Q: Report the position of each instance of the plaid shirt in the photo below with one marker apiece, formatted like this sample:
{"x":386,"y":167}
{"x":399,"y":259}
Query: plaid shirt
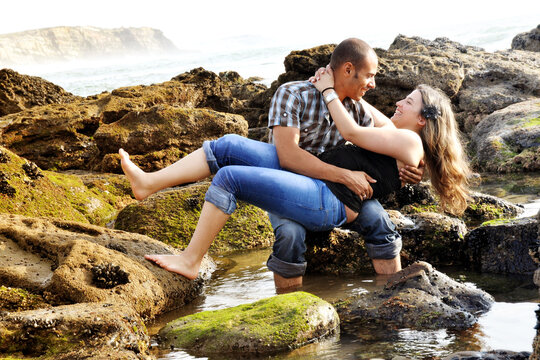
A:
{"x":299,"y":104}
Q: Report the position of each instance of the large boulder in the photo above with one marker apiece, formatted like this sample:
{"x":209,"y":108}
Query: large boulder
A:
{"x":264,"y":327}
{"x":529,"y":41}
{"x":164,"y":127}
{"x":425,"y":236}
{"x":417,"y":297}
{"x":80,"y":331}
{"x":502,"y":246}
{"x":19,"y":92}
{"x":247,"y":228}
{"x":72,"y":262}
{"x":429,"y":238}
{"x":82,"y":134}
{"x":418,"y":198}
{"x":337,"y":252}
{"x":478,"y":82}
{"x":508,"y":140}
{"x":27,"y":190}
{"x":299,"y":65}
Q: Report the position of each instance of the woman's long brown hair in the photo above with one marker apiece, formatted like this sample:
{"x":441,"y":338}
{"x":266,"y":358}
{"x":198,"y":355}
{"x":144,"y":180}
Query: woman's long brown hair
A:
{"x":445,"y":159}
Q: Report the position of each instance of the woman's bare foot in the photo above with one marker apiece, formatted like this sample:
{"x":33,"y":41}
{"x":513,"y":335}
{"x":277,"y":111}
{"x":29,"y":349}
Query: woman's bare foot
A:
{"x":135,"y":176}
{"x":176,"y":264}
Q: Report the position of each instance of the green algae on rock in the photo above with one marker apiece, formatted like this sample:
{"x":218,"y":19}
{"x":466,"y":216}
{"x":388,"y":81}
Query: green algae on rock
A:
{"x":26,"y":190}
{"x":48,"y":194}
{"x":171,"y":216}
{"x":508,"y":140}
{"x":77,"y":331}
{"x":267,"y":326}
{"x":16,"y":299}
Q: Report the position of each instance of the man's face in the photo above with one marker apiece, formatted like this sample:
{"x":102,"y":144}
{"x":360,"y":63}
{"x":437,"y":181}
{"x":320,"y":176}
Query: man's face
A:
{"x":361,"y":80}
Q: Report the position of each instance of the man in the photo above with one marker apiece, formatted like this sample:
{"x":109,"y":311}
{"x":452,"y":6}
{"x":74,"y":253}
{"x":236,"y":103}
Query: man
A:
{"x":301,"y":128}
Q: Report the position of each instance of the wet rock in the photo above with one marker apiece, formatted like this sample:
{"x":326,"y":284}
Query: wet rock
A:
{"x":508,"y":140}
{"x":267,"y":326}
{"x":416,"y":297}
{"x":425,"y":236}
{"x":19,"y":92}
{"x":247,"y":228}
{"x":483,"y":207}
{"x":529,"y":41}
{"x":78,"y":331}
{"x":502,"y":246}
{"x":62,"y":258}
{"x":337,"y":252}
{"x":417,"y":194}
{"x":489,"y":355}
{"x":431,"y":236}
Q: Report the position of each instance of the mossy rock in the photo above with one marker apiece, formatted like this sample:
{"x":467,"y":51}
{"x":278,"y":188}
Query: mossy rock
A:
{"x":171,"y":216}
{"x":267,"y":326}
{"x":26,"y":190}
{"x":79,"y":331}
{"x":15,"y":299}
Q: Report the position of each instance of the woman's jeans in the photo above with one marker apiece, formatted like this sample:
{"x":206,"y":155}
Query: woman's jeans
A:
{"x":249,"y":170}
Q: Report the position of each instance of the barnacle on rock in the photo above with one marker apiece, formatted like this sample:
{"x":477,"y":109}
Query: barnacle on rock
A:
{"x":107,"y":276}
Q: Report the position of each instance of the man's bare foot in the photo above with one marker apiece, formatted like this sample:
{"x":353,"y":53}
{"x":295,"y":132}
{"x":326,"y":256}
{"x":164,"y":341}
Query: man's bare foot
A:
{"x":135,"y":176}
{"x":176,"y":264}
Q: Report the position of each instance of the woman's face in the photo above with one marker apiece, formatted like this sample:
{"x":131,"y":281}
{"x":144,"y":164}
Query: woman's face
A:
{"x":408,"y":110}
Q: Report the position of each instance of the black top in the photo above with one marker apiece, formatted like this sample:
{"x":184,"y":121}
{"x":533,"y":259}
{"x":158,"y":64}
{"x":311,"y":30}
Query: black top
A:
{"x":380,"y":167}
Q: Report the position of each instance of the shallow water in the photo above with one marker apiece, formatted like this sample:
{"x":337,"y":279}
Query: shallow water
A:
{"x":508,"y":325}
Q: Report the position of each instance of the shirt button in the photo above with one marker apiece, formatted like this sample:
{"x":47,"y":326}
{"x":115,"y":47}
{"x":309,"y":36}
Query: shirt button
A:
{"x":305,"y":130}
{"x":284,"y":114}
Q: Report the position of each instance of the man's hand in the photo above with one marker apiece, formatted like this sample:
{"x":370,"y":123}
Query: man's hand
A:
{"x":412,"y":175}
{"x":359,"y":182}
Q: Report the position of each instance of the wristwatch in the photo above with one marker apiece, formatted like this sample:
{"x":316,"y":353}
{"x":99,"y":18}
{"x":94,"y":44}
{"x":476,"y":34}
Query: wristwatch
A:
{"x":330,"y":96}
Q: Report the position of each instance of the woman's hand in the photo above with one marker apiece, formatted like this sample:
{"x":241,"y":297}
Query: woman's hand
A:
{"x":323,"y":78}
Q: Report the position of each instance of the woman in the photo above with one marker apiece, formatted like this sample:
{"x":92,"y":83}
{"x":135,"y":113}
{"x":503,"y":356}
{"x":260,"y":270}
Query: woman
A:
{"x":425,"y":128}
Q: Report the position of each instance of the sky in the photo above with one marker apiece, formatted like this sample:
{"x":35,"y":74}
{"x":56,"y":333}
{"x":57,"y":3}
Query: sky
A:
{"x":196,"y":23}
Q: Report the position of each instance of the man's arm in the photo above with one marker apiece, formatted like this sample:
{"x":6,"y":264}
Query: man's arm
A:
{"x":298,"y":160}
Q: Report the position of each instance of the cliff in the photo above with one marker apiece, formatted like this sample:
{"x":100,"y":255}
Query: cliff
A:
{"x":68,"y":43}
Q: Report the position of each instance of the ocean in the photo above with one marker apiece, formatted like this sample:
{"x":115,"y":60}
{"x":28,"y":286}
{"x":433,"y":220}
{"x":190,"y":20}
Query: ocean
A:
{"x":253,"y":55}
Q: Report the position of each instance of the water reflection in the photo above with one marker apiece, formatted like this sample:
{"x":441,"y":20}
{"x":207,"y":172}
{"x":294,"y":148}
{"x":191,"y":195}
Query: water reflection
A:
{"x":508,"y":325}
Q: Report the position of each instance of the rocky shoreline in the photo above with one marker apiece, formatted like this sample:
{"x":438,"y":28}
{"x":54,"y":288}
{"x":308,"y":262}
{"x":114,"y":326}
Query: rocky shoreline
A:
{"x":74,"y":283}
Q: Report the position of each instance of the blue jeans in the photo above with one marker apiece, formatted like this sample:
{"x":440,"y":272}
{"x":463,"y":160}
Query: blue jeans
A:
{"x":294,"y":202}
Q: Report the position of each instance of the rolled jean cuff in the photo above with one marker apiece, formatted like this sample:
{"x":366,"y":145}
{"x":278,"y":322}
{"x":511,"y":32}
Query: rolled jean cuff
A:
{"x":384,"y":251}
{"x":221,"y":198}
{"x":285,"y":269}
{"x":210,"y":158}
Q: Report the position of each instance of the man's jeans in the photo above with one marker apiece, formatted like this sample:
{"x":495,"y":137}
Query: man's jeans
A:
{"x":291,"y":200}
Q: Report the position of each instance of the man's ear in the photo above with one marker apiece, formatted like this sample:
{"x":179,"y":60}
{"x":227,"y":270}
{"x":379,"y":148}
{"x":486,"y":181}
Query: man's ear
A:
{"x":348,"y":68}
